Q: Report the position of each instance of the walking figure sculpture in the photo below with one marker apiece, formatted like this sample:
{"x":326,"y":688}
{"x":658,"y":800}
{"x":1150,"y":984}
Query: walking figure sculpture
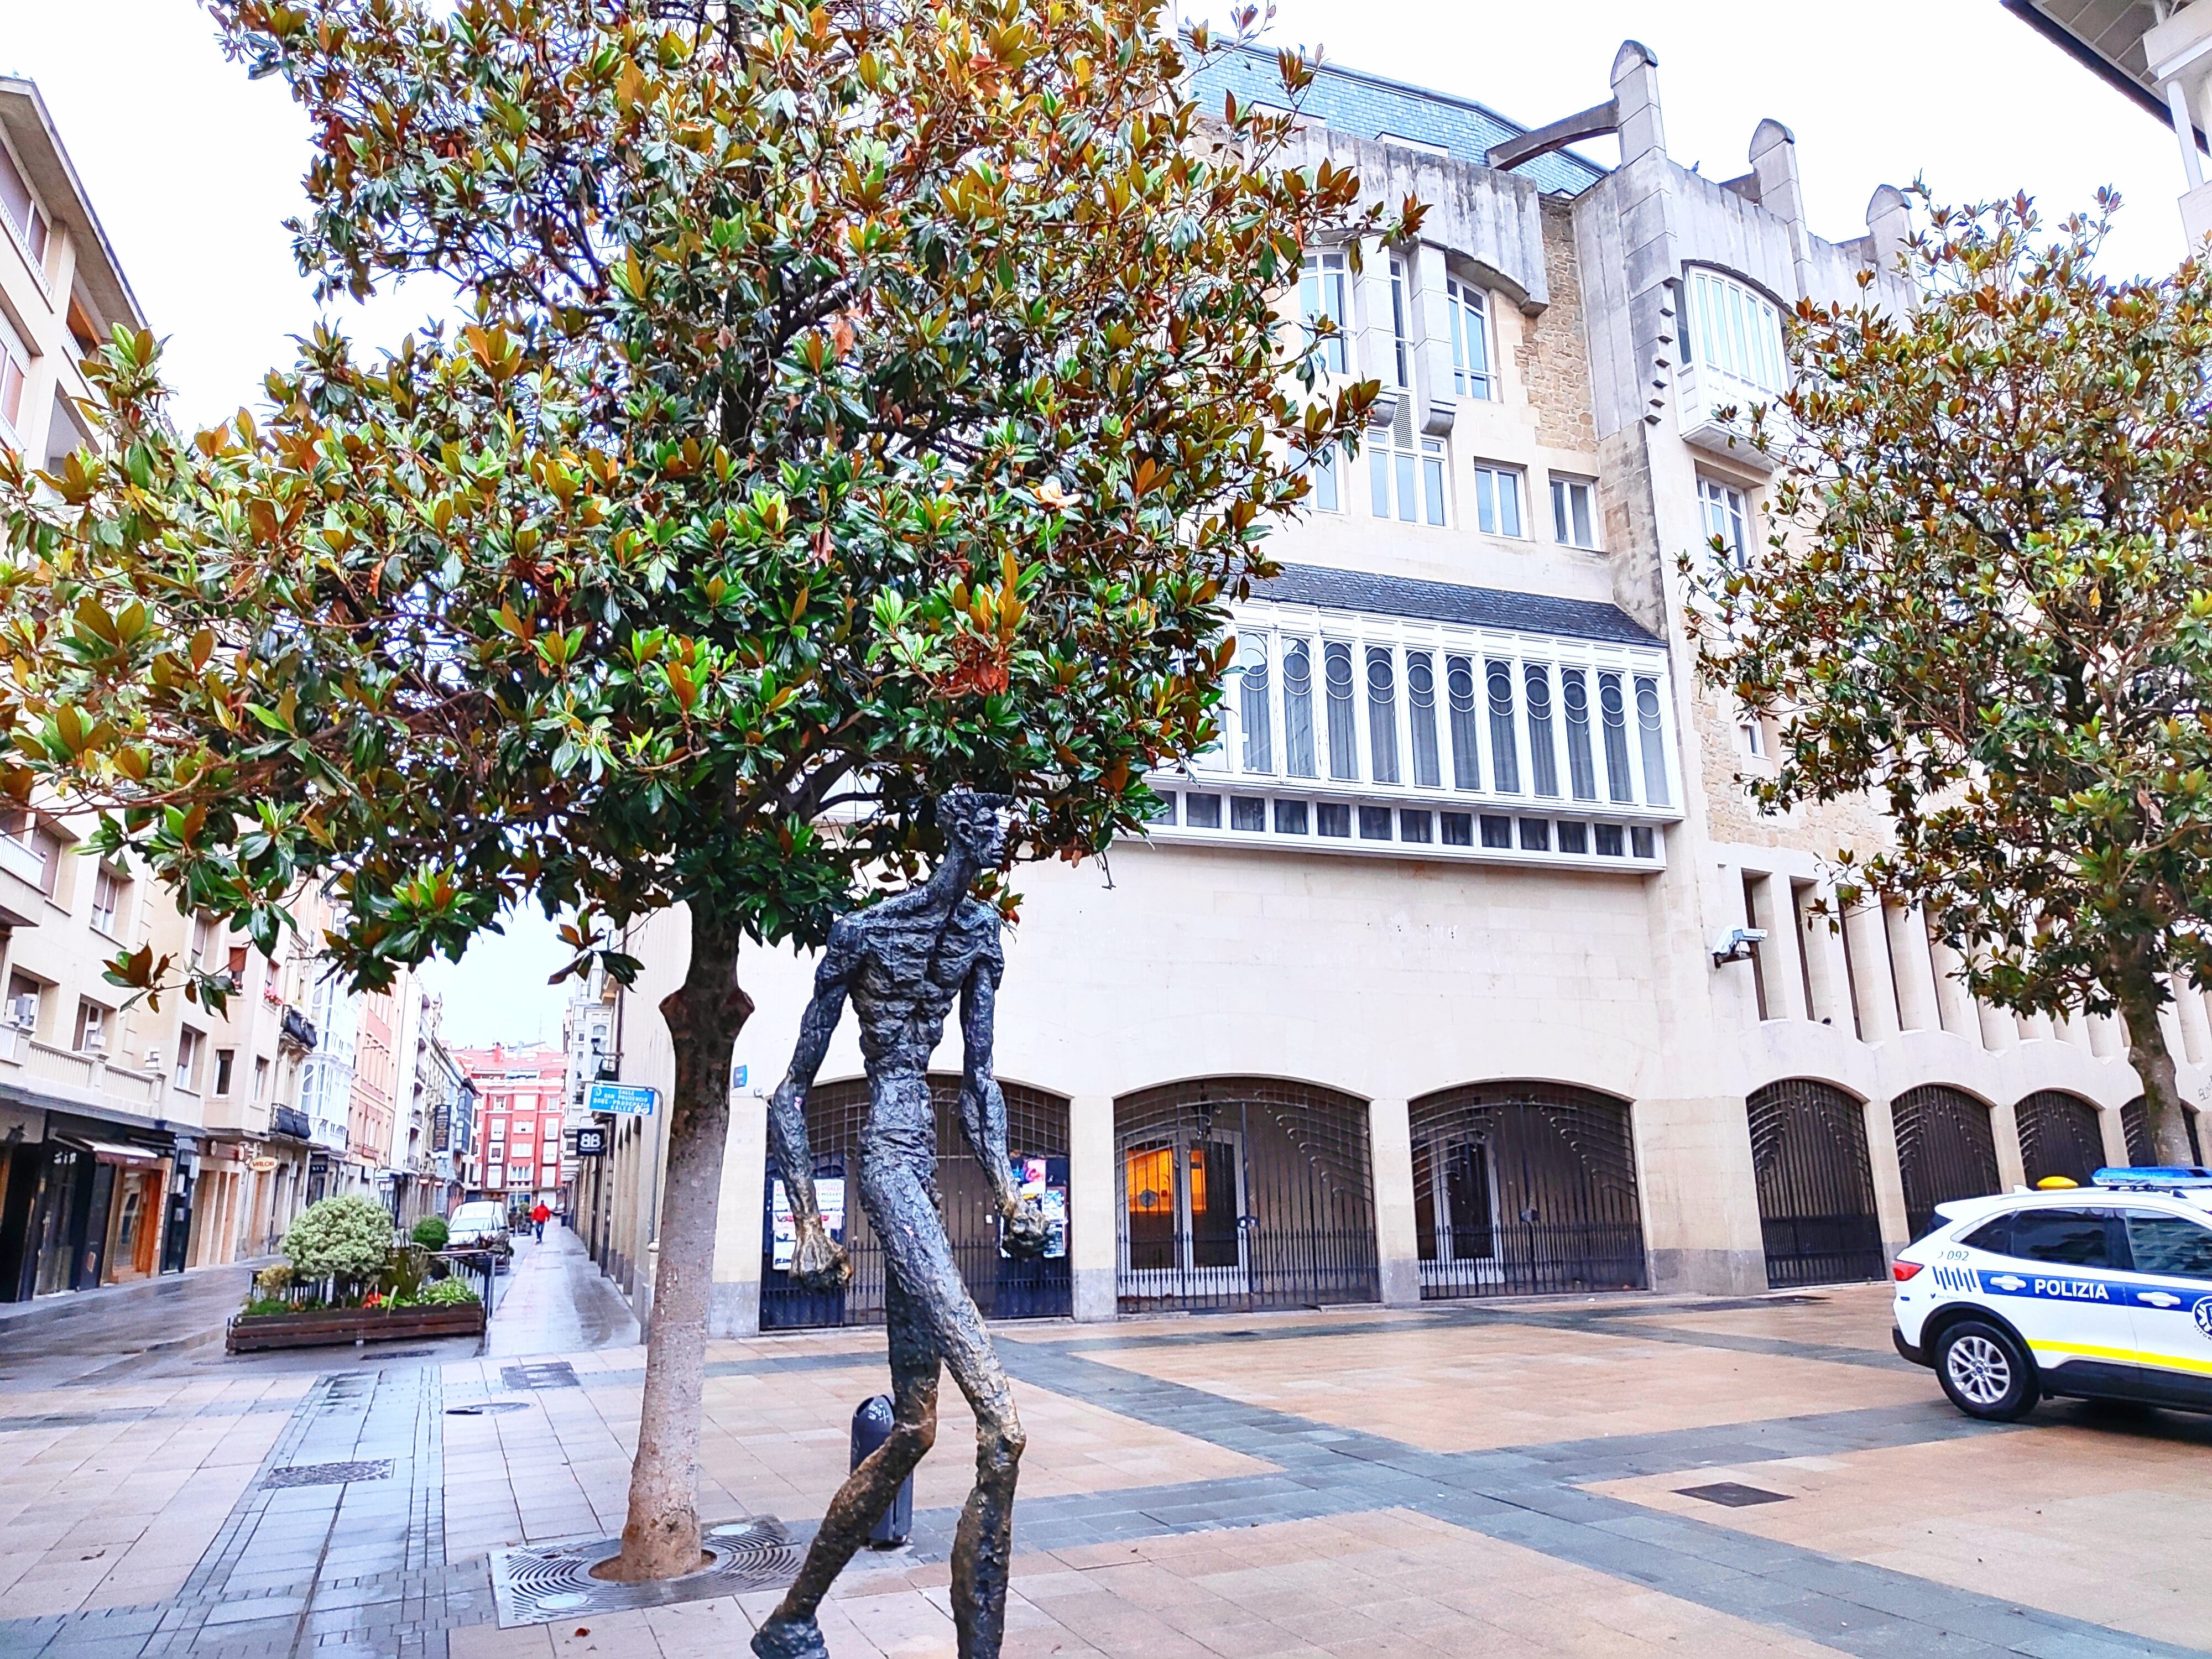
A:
{"x":902,"y":964}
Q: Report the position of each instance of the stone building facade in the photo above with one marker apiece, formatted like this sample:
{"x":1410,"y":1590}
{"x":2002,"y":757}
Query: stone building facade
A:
{"x":1462,"y":967}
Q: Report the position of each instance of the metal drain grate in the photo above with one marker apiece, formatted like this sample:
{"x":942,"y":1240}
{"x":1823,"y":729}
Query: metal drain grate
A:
{"x":554,"y":1581}
{"x":328,"y":1474}
{"x":555,"y":1374}
{"x":488,"y":1407}
{"x":1732,"y":1494}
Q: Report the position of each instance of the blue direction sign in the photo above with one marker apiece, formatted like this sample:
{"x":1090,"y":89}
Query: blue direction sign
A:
{"x":629,"y":1099}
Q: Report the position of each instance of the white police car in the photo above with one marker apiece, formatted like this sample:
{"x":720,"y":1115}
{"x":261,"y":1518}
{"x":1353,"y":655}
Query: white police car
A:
{"x":2102,"y":1291}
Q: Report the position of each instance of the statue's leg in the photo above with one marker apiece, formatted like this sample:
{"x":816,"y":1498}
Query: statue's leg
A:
{"x":790,"y":1632}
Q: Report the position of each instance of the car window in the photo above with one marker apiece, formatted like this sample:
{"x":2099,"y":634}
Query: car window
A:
{"x":2071,"y":1238}
{"x":1995,"y":1237}
{"x":2167,"y":1244}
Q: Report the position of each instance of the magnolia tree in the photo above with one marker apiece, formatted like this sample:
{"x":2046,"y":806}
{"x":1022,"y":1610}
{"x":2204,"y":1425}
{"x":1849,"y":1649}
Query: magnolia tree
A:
{"x":856,"y":398}
{"x":1987,"y":601}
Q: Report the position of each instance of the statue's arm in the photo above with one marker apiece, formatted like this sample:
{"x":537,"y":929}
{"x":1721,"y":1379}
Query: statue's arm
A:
{"x":817,"y":1256}
{"x":983,"y":1106}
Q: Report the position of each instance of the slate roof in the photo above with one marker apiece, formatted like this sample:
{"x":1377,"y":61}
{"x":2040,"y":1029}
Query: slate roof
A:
{"x":1475,"y":607}
{"x":1368,"y":105}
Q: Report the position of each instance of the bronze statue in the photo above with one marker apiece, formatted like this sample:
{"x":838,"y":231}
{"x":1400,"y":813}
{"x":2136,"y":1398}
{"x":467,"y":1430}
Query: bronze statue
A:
{"x":901,"y":963}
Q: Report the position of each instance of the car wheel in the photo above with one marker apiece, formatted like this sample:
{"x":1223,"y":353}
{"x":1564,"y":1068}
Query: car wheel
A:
{"x":1986,"y":1372}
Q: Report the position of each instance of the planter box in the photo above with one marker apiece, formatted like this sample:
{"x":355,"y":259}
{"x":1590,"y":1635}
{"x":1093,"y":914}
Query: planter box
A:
{"x":250,"y":1333}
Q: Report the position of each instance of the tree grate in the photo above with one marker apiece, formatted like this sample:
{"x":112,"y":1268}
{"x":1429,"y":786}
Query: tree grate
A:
{"x":536,"y":1585}
{"x":328,"y":1474}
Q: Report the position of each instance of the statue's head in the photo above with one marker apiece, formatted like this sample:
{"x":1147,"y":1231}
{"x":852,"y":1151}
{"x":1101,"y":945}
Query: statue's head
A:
{"x":971,"y":826}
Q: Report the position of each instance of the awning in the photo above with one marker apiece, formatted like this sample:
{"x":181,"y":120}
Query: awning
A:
{"x":121,"y":1154}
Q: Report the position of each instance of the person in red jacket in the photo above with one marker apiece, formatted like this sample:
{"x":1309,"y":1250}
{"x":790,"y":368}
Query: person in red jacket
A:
{"x":539,"y":1216}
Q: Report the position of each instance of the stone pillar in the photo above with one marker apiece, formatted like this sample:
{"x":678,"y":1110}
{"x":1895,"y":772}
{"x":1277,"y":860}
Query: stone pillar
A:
{"x":2189,"y":1011}
{"x":1868,"y":941}
{"x":1906,"y":934}
{"x":1824,"y":959}
{"x":1956,"y":1008}
{"x":1779,"y":958}
{"x":1092,"y":1240}
{"x":2108,"y":1040}
{"x":1774,"y":164}
{"x":735,"y":1310}
{"x":1397,"y":1247}
{"x":2116,"y":1139}
{"x":1636,"y":98}
{"x":2004,"y":1128}
{"x":1889,"y":225}
{"x":1889,"y":1179}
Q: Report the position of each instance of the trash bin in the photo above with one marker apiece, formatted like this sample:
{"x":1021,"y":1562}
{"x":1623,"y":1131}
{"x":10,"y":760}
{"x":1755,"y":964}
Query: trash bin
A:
{"x":872,"y":1426}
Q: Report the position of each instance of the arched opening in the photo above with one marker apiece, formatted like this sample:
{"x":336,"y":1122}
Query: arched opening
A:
{"x":1815,"y":1178}
{"x":2059,"y":1135}
{"x":1003,"y":1288}
{"x":1945,"y":1150}
{"x":1241,"y":1193}
{"x":2142,"y":1151}
{"x":1522,"y":1188}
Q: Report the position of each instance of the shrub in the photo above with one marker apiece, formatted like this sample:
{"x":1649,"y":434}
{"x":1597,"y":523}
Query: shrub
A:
{"x":431,"y":1232}
{"x":446,"y":1293}
{"x":339,"y":1238}
{"x":276,"y":1277}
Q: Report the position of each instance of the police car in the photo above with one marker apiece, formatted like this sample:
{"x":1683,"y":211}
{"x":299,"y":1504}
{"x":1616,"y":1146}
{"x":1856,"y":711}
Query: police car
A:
{"x":2102,"y":1291}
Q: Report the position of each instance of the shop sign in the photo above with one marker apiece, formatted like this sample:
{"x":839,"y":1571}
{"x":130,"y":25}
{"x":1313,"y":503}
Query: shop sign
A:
{"x":590,"y":1143}
{"x":623,"y":1099}
{"x":261,"y":1165}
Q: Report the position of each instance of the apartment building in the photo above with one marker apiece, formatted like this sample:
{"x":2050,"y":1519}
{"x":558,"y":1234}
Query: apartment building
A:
{"x":1462,"y":967}
{"x":519,"y":1089}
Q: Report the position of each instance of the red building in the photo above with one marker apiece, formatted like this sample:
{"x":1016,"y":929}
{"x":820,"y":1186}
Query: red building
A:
{"x":516,"y":1155}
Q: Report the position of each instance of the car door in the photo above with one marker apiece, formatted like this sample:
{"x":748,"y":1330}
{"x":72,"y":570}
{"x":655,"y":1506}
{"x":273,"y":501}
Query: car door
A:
{"x":2170,"y":1289}
{"x":2057,"y":1287}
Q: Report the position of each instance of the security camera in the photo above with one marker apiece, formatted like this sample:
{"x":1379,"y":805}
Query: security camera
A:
{"x":1736,"y":945}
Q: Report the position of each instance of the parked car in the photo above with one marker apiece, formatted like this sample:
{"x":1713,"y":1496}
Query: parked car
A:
{"x":2097,"y":1292}
{"x":479,"y":1224}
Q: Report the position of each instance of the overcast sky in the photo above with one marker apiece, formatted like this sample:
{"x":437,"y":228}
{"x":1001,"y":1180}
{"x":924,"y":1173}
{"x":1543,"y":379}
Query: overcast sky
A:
{"x":192,"y":169}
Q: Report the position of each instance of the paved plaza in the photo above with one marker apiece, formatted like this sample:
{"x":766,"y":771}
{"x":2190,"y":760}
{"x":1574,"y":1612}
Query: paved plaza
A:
{"x":1627,"y":1475}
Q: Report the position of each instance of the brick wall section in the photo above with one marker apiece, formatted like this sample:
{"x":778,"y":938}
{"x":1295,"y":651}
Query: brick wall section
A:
{"x":1553,"y":355}
{"x":1821,"y":828}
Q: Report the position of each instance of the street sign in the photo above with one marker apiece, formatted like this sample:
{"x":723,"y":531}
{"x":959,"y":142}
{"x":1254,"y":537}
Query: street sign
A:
{"x":625,"y":1099}
{"x":738,"y":1077}
{"x":591,"y":1142}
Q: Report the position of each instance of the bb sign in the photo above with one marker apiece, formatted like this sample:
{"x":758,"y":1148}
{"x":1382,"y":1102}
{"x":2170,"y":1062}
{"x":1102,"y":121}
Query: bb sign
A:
{"x":591,"y":1142}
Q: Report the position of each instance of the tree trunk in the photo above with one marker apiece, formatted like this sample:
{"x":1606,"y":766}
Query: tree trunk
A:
{"x":660,"y":1539}
{"x":2136,"y":984}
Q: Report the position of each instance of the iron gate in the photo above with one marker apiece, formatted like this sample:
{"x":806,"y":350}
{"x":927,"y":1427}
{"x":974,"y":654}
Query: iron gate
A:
{"x":1816,"y":1210}
{"x":1523,"y":1188}
{"x":2059,"y":1135}
{"x":1003,"y":1288}
{"x":1243,"y":1192}
{"x":1945,"y":1150}
{"x":2135,"y":1124}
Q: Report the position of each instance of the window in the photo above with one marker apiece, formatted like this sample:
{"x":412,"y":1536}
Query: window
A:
{"x":1582,"y":765}
{"x":1497,"y":500}
{"x":1406,"y":480}
{"x":1505,"y":744}
{"x":1382,"y":715}
{"x":1252,"y":696}
{"x":1753,"y":731}
{"x":188,"y":1058}
{"x":1727,"y":518}
{"x":260,"y":1080}
{"x":2169,"y":1245}
{"x":2069,"y":1238}
{"x":1459,"y":695}
{"x":1343,"y":738}
{"x":1543,"y":763}
{"x":1470,"y":340}
{"x":108,"y":892}
{"x":91,"y":1028}
{"x":1736,"y":330}
{"x":1325,"y":472}
{"x":25,"y":217}
{"x":1321,"y":288}
{"x":1401,"y":348}
{"x":1614,"y":712}
{"x":1574,"y":516}
{"x":14,"y":375}
{"x":1651,"y":729}
{"x":1421,"y":719}
{"x":202,"y":939}
{"x":499,"y":1129}
{"x":1297,"y":709}
{"x":235,"y":971}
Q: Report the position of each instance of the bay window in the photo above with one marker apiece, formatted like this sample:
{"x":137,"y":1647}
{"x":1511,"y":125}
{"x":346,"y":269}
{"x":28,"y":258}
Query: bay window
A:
{"x":1737,"y":331}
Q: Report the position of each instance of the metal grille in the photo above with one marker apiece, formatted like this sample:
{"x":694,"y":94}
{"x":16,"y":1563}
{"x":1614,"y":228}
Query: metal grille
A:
{"x":1243,"y":1192}
{"x":1945,"y":1150}
{"x":328,"y":1474}
{"x":2059,"y":1135}
{"x":1524,"y":1188}
{"x":2135,"y":1124}
{"x":1816,"y":1210}
{"x":1036,"y":1128}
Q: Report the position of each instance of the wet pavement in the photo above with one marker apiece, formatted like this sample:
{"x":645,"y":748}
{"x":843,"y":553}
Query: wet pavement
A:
{"x":556,"y":1301}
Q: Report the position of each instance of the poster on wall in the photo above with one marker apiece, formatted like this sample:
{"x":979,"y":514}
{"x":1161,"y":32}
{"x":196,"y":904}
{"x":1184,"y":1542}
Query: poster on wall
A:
{"x":829,"y":1194}
{"x":1033,"y":1176}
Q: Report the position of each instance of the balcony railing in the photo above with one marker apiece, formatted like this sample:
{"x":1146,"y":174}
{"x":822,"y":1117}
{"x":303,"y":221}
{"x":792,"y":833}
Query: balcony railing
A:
{"x":298,"y":1029}
{"x":290,"y":1120}
{"x":18,"y":860}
